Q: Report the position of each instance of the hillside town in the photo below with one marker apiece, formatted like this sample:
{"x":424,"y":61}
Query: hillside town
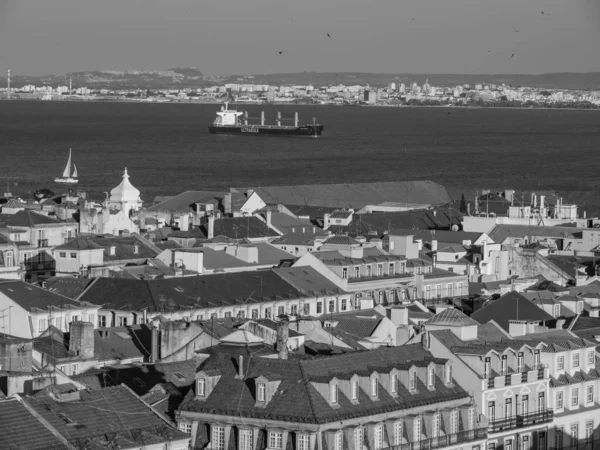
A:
{"x":367,"y":316}
{"x":394,"y":94}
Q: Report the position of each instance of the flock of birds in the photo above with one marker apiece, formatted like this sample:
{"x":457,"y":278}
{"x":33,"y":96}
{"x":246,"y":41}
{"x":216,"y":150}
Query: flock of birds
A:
{"x":489,"y":51}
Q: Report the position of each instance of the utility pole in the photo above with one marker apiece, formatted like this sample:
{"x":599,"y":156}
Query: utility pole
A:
{"x":8,"y":85}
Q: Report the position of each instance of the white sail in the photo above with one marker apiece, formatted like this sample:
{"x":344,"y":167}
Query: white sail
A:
{"x":74,"y":171}
{"x":67,"y":171}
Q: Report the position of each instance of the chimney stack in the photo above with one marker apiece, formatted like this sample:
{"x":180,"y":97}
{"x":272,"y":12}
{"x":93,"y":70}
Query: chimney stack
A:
{"x":211,"y":227}
{"x":240,"y":374}
{"x":81,"y":339}
{"x":269,"y":218}
{"x":283,"y":332}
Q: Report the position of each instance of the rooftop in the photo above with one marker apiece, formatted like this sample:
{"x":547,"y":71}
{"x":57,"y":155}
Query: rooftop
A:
{"x":451,"y":317}
{"x":30,"y":296}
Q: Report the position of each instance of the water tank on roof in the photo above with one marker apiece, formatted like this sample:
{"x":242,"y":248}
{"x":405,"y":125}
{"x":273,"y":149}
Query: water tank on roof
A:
{"x":361,"y":239}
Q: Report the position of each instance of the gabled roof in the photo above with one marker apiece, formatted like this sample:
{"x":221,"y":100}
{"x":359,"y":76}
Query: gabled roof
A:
{"x":67,"y":286}
{"x":451,"y":317}
{"x":30,"y":296}
{"x":125,"y":247}
{"x":500,"y":232}
{"x":511,"y":306}
{"x":356,"y":195}
{"x":185,"y":201}
{"x":30,"y":219}
{"x":13,"y":204}
{"x":296,"y":398}
{"x":116,"y":410}
{"x":341,"y":240}
{"x":442,"y":236}
{"x":241,"y":228}
{"x":21,"y":430}
{"x":78,"y":244}
{"x":175,"y":294}
{"x":308,"y":281}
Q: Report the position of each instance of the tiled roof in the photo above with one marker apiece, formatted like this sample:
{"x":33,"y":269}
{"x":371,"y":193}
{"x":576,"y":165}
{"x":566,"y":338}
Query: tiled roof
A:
{"x":110,"y":344}
{"x":308,"y":281}
{"x":67,"y":287}
{"x":340,"y":214}
{"x":442,"y":236}
{"x":124,"y":247}
{"x":313,"y":212}
{"x":451,"y":317}
{"x":21,"y":430}
{"x":29,"y":219}
{"x":185,"y":201}
{"x":297,"y":400}
{"x":356,"y":195}
{"x":241,"y":228}
{"x":299,"y":238}
{"x":79,"y":243}
{"x":13,"y":204}
{"x":341,"y":240}
{"x":452,"y":248}
{"x":174,"y":294}
{"x":116,"y":410}
{"x":30,"y":296}
{"x":511,"y":306}
{"x":500,"y":232}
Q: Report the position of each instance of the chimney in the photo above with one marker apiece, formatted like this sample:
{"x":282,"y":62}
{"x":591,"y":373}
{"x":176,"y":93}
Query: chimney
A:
{"x":81,"y":339}
{"x":283,"y":331}
{"x":240,"y":374}
{"x":269,"y":218}
{"x":434,"y":245}
{"x":211,"y":227}
{"x":155,"y":348}
{"x":468,"y":209}
{"x":227,"y":204}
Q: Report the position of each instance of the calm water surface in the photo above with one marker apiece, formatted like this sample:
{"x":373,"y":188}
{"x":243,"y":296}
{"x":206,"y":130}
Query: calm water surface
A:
{"x":167,"y":148}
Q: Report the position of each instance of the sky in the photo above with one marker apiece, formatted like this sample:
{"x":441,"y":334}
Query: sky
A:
{"x":39,"y":37}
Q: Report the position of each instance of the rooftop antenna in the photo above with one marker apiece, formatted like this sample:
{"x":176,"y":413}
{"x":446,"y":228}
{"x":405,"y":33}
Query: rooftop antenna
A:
{"x":8,"y":84}
{"x":70,"y":85}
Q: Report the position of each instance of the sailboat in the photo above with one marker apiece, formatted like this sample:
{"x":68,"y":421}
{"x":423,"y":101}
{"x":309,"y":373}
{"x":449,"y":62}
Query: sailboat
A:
{"x":68,"y":176}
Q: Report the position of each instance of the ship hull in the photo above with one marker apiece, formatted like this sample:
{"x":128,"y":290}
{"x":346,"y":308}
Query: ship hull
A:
{"x":66,"y":180}
{"x":266,"y":130}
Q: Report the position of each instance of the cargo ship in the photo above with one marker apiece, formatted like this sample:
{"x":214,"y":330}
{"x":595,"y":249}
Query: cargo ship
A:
{"x":231,"y":121}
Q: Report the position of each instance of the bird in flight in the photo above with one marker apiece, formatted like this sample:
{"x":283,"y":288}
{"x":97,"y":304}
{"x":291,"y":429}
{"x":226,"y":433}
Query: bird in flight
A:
{"x":516,"y":31}
{"x":328,"y":35}
{"x":512,"y":55}
{"x":281,"y":53}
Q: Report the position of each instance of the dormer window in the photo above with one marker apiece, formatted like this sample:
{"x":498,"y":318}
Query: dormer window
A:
{"x":113,"y":250}
{"x":355,"y":390}
{"x":430,"y":377}
{"x":560,"y":364}
{"x":520,"y":362}
{"x":448,"y":373}
{"x":136,"y":249}
{"x":486,"y":367}
{"x":556,"y":310}
{"x":536,"y":358}
{"x":504,"y":366}
{"x":590,"y":357}
{"x":393,"y":383}
{"x":575,"y":360}
{"x":374,"y":387}
{"x":261,"y":392}
{"x":412,"y":381}
{"x":333,"y":394}
{"x":201,"y":387}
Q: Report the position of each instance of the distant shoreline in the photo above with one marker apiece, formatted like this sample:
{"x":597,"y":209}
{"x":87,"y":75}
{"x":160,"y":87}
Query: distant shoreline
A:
{"x":188,"y":102}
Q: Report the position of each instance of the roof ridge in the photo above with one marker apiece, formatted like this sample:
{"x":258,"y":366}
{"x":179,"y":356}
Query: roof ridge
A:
{"x":307,"y":387}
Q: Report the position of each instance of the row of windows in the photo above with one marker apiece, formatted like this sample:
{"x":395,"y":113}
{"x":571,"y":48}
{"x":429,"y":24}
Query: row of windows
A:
{"x":72,"y":255}
{"x":412,"y":384}
{"x":275,"y":438}
{"x":574,"y":434}
{"x":560,"y":362}
{"x":379,"y":270}
{"x":487,"y":365}
{"x":57,"y":322}
{"x":589,"y":397}
{"x":522,"y":406}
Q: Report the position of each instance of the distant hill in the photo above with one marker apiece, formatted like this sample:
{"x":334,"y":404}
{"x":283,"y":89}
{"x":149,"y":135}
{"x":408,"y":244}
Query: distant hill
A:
{"x":185,"y":77}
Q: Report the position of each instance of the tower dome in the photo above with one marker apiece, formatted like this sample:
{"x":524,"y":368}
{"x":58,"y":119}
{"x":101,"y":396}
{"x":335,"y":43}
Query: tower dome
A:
{"x":125,"y":192}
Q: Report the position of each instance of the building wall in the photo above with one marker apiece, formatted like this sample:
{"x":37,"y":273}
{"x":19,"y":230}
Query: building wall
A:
{"x":71,"y":261}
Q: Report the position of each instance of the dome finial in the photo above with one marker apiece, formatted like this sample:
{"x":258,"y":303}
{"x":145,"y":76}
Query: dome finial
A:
{"x":125,"y":174}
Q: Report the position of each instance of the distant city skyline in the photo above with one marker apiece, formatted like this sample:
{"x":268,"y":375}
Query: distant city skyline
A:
{"x":38,"y":37}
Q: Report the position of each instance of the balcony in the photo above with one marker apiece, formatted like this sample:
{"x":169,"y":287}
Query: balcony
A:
{"x":521,"y":421}
{"x":444,"y":441}
{"x":583,"y":444}
{"x":42,"y":243}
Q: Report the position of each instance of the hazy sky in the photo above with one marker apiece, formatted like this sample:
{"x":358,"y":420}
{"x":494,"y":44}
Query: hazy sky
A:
{"x":244,"y":36}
